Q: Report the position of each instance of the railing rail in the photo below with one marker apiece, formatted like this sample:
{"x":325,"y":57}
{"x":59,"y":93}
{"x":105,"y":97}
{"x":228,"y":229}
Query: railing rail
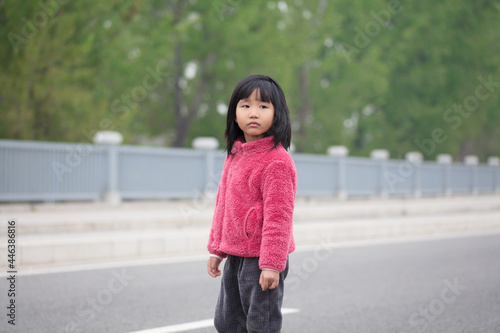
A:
{"x":42,"y":171}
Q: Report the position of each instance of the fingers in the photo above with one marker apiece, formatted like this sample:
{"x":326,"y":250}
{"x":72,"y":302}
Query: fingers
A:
{"x":210,"y":270}
{"x":214,"y":272}
{"x":213,"y":267}
{"x":274,"y":284}
{"x":269,"y":280}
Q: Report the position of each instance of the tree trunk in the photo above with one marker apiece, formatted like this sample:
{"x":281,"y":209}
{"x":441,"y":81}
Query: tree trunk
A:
{"x":183,"y":121}
{"x":304,"y":111}
{"x":466,"y":148}
{"x":180,"y":126}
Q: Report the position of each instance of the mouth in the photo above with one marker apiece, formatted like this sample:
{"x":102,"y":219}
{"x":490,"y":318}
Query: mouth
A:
{"x":253,"y":124}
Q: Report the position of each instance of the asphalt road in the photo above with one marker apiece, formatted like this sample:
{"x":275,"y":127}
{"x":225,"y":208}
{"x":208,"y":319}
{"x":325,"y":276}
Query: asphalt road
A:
{"x":443,"y":285}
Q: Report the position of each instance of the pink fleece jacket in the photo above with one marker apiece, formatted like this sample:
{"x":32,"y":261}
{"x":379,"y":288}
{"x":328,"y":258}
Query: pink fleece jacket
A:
{"x":254,"y":208}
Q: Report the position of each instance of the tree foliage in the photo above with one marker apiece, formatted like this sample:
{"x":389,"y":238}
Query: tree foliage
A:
{"x":400,"y":75}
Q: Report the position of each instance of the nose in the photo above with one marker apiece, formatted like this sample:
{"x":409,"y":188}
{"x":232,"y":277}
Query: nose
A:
{"x":254,"y":113}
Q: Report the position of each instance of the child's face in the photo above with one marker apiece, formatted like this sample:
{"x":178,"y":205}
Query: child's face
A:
{"x":254,"y":116}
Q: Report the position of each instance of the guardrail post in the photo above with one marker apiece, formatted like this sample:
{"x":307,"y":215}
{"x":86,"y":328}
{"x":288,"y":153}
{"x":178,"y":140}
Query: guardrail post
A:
{"x":472,"y":161}
{"x":209,"y":145}
{"x":445,"y":160}
{"x":111,"y":140}
{"x":381,"y":155}
{"x":415,"y":159}
{"x":494,"y":162}
{"x":340,"y":153}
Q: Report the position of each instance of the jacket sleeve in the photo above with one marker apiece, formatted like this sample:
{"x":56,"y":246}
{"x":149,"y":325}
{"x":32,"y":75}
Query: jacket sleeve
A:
{"x":212,"y":241}
{"x":214,"y":237}
{"x":279,"y":186}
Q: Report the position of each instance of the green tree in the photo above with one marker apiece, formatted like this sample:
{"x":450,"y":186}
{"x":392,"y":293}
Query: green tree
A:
{"x":50,"y":56}
{"x":365,"y":74}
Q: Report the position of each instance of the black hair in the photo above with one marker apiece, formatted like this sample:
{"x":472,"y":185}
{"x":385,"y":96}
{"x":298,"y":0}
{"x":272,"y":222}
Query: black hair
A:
{"x":270,"y":92}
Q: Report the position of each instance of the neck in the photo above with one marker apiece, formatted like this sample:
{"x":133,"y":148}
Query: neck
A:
{"x":250,"y":138}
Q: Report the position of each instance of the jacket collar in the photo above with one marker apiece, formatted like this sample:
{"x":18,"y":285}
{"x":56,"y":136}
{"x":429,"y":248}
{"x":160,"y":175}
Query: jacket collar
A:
{"x":252,"y":147}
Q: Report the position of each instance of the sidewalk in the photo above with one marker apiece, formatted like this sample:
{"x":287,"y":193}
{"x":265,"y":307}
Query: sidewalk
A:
{"x":80,"y":233}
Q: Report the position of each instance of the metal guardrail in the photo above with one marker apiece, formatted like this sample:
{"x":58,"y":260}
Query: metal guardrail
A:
{"x":42,"y":171}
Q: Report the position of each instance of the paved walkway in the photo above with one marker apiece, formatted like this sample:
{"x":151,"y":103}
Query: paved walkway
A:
{"x":79,"y":233}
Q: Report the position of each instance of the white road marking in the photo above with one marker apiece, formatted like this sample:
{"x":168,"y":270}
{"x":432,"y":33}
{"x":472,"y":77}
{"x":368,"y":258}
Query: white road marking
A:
{"x":180,"y":327}
{"x":195,"y":325}
{"x":289,"y":310}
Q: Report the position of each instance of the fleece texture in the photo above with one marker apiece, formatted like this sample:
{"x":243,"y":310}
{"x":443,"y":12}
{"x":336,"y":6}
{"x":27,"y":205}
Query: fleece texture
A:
{"x":255,"y":201}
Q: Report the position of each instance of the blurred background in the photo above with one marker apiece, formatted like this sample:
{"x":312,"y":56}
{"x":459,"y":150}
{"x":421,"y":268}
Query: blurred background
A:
{"x":399,"y":75}
{"x":365,"y":80}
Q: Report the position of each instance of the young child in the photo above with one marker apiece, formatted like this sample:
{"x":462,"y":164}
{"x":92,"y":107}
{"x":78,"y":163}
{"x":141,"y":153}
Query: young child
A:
{"x":252,"y":224}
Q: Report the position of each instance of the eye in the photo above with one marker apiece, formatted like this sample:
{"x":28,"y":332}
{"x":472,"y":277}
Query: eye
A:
{"x":263,"y":106}
{"x":245,"y":106}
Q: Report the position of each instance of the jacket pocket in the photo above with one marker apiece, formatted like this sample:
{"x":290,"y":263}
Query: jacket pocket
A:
{"x":248,"y":223}
{"x":253,"y":222}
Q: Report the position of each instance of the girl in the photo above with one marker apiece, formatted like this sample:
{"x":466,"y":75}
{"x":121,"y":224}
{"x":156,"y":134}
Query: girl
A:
{"x":252,"y":224}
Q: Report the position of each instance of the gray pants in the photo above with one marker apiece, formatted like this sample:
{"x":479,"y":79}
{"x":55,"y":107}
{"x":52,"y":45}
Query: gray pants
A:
{"x":242,"y":305}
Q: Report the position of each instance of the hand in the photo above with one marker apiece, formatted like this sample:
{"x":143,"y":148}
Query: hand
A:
{"x":213,"y":266}
{"x":269,"y":279}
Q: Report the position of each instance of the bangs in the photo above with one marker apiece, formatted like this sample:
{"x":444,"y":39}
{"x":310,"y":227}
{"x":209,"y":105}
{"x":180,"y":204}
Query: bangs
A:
{"x":265,"y":90}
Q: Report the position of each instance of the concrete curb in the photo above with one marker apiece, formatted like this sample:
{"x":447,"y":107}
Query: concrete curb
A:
{"x":71,"y":249}
{"x":73,"y":218}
